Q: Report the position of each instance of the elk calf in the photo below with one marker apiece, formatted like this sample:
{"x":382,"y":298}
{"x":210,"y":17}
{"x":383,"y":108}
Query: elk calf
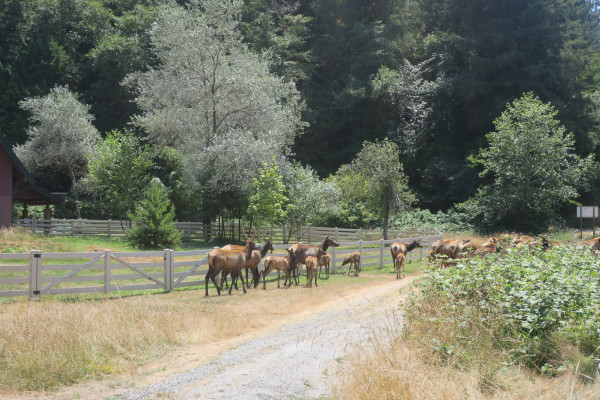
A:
{"x":324,"y":261}
{"x":279,"y":263}
{"x":312,"y":269}
{"x":353,"y":259}
{"x":399,"y":261}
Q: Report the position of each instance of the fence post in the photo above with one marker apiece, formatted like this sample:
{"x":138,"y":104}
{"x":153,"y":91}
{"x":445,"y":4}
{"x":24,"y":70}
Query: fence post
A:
{"x":34,"y":225}
{"x":333,"y":255}
{"x":381,"y":247}
{"x":107,"y":271}
{"x":168,"y":269}
{"x":108,"y":228}
{"x":360,"y":248}
{"x":310,"y":234}
{"x":35,"y":273}
{"x":336,"y":233}
{"x":421,"y":249}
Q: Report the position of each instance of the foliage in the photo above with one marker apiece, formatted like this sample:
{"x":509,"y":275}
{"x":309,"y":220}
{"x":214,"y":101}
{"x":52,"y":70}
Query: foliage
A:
{"x":309,"y":198}
{"x":526,"y":304}
{"x":533,"y":167}
{"x":425,"y":220}
{"x":376,"y":177}
{"x":214,"y":100}
{"x":118,"y":172}
{"x":267,"y":203}
{"x":406,"y":96}
{"x":61,"y":134}
{"x":154,"y":219}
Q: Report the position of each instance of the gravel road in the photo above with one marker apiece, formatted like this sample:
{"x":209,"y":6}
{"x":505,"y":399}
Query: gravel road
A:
{"x":298,"y":361}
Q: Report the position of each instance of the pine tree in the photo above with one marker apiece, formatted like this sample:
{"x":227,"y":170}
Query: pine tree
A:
{"x":154,"y":219}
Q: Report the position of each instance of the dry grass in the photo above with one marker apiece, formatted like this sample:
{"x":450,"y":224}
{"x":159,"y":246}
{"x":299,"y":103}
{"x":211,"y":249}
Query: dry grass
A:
{"x":50,"y":343}
{"x":398,"y":370}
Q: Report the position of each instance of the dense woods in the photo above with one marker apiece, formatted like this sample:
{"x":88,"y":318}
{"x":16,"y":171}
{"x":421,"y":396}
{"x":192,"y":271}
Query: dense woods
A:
{"x":215,"y":89}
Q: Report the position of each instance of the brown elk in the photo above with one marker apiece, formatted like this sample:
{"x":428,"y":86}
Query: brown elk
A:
{"x":312,"y":268}
{"x":301,"y":251}
{"x":279,"y":263}
{"x":399,"y":261}
{"x":354,"y":260}
{"x":231,"y":261}
{"x":449,"y":249}
{"x":324,"y":261}
{"x":522,"y":239}
{"x":399,"y":247}
{"x":252,"y":263}
{"x":593,"y":244}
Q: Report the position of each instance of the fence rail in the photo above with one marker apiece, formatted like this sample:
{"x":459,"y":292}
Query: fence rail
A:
{"x":198,"y":230}
{"x":37,"y":273}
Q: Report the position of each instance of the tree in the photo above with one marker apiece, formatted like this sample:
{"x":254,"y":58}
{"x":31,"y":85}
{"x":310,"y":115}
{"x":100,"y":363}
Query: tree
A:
{"x":61,"y":135}
{"x":310,"y":198}
{"x":214,"y":100}
{"x":405,"y":95}
{"x":269,"y":199}
{"x":118,"y":173}
{"x":154,"y":218}
{"x":532,"y":166}
{"x":376,"y":178}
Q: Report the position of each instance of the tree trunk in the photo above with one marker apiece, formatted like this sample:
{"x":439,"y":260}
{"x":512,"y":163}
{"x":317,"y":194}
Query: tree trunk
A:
{"x":386,"y":222}
{"x":75,"y":192}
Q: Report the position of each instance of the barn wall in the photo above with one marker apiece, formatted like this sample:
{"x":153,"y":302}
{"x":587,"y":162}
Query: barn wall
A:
{"x":5,"y":189}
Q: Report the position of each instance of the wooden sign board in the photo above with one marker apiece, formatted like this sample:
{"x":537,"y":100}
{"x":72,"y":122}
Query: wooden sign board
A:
{"x":587,"y":212}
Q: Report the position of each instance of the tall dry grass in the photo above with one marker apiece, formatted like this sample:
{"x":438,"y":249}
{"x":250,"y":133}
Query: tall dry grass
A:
{"x":398,"y":370}
{"x":50,"y":343}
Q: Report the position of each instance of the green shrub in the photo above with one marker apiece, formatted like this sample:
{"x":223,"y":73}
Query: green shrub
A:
{"x":450,"y":221}
{"x":154,"y":219}
{"x":539,"y":309}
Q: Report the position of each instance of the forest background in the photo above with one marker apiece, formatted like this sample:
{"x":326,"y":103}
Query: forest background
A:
{"x":313,"y":79}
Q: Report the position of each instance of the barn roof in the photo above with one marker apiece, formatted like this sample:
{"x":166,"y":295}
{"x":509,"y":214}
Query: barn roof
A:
{"x":25,"y":189}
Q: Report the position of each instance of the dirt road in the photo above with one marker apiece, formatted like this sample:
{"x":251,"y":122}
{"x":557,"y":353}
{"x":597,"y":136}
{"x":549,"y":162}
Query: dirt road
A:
{"x":296,"y":361}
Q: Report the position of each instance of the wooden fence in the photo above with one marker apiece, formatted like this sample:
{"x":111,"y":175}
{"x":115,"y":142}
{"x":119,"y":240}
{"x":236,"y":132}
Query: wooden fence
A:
{"x":37,"y":273}
{"x":198,"y":230}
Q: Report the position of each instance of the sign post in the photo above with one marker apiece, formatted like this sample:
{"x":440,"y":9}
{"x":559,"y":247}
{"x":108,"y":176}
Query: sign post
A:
{"x":587,"y":212}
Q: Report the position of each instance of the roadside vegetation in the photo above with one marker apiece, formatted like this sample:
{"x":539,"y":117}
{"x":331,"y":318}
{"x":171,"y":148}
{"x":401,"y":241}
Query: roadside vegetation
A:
{"x":524,"y":324}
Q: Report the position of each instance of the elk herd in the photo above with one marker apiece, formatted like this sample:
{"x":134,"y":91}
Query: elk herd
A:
{"x":232,"y":260}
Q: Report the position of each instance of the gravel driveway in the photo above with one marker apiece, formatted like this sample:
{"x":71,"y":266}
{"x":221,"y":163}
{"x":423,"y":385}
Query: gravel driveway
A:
{"x":299,"y":361}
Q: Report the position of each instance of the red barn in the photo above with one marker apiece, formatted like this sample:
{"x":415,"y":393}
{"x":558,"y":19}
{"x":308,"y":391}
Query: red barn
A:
{"x":16,"y":184}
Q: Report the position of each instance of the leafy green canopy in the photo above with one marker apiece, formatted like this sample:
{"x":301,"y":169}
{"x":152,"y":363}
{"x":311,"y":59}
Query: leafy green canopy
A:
{"x":118,"y":171}
{"x":268,"y":201}
{"x":532,"y":166}
{"x":60,"y":135}
{"x":376,"y":178}
{"x":154,"y":219}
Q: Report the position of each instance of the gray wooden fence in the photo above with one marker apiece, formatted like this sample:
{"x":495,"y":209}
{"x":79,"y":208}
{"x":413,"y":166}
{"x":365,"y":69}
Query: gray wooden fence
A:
{"x":198,"y":230}
{"x":38,"y":273}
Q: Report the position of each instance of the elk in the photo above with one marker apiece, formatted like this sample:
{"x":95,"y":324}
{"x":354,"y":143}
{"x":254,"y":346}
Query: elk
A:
{"x":399,"y":247}
{"x":594,"y":244}
{"x":522,"y":239}
{"x":252,"y":263}
{"x":280,"y":263}
{"x":353,"y":259}
{"x":324,"y":261}
{"x":301,"y":251}
{"x":312,"y":267}
{"x":448,"y":248}
{"x":399,"y":262}
{"x":230,"y":261}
